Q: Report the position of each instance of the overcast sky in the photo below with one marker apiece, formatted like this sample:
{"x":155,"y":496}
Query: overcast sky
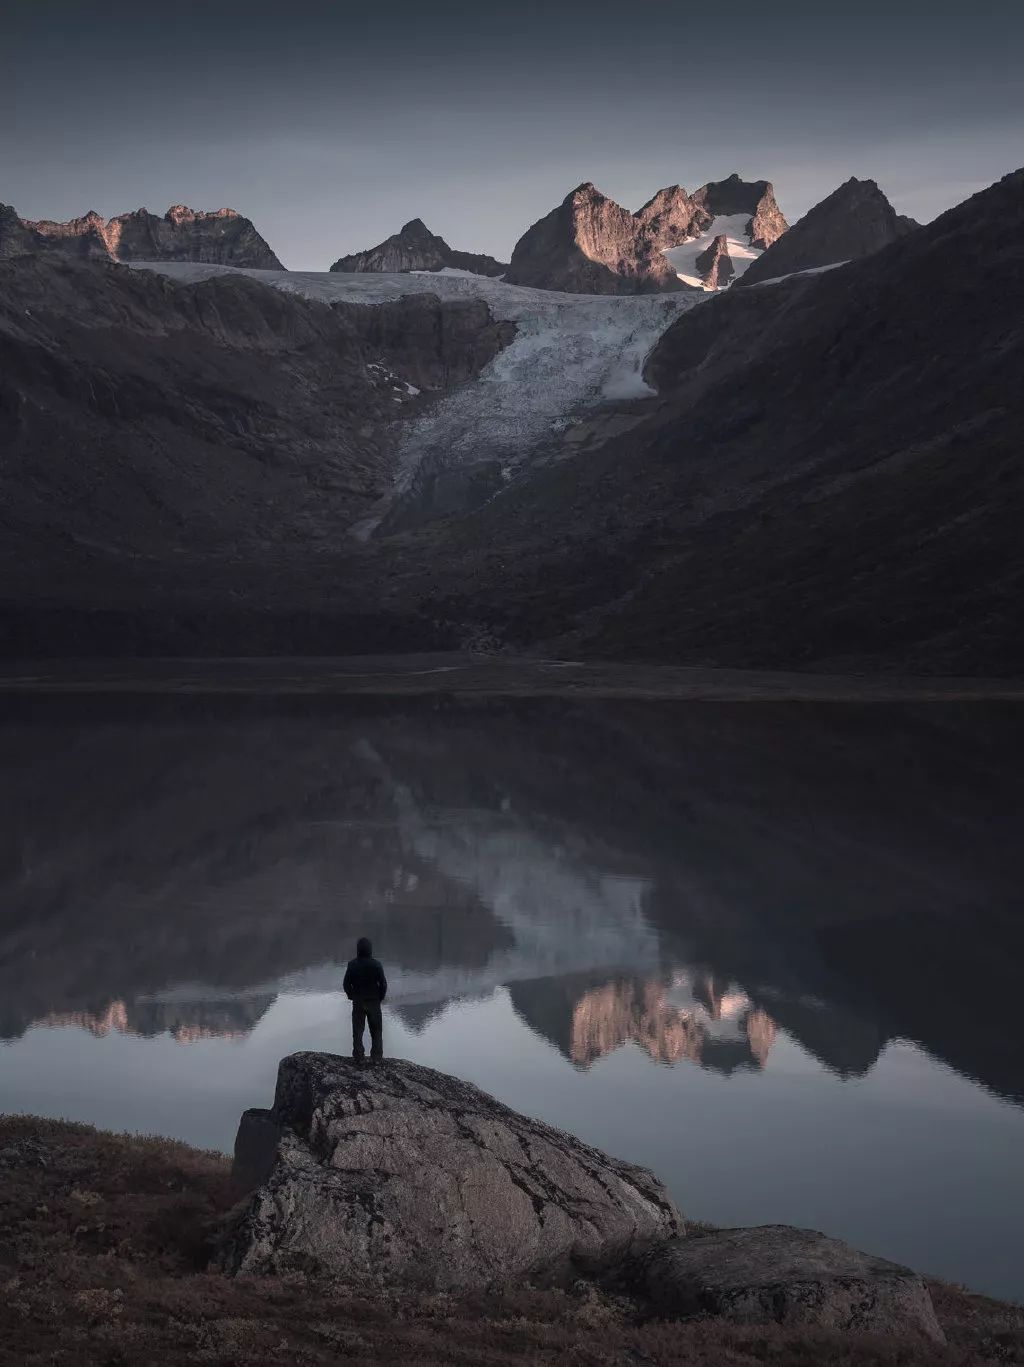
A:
{"x":331,"y":124}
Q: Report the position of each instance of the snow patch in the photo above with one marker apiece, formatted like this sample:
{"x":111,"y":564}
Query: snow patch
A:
{"x":794,"y":275}
{"x":683,"y":259}
{"x":458,"y":274}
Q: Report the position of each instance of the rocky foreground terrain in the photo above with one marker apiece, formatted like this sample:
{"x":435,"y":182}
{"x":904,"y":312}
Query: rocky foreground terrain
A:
{"x":818,"y":474}
{"x":115,"y":1253}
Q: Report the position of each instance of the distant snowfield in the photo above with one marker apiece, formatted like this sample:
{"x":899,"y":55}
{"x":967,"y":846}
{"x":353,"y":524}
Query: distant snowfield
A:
{"x":683,"y":259}
{"x":797,"y":275}
{"x":572,"y":352}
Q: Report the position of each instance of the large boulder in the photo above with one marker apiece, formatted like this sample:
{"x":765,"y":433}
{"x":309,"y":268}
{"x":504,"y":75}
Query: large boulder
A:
{"x":400,"y":1174}
{"x":775,"y":1273}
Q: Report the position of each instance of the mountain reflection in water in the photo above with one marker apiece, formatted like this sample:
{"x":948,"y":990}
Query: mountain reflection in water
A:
{"x":693,"y":884}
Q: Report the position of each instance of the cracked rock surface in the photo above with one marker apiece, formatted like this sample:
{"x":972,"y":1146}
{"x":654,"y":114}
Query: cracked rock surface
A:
{"x":789,"y":1276}
{"x":401,"y":1174}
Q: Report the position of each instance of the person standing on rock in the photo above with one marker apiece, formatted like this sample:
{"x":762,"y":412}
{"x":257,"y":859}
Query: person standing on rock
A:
{"x":366,"y":987}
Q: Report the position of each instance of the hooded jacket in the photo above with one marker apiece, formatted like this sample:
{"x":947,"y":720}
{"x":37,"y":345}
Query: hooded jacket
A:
{"x":364,"y":978}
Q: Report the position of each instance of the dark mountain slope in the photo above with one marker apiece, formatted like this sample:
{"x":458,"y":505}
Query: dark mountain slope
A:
{"x":171,"y":448}
{"x":853,"y":221}
{"x":833,"y":476}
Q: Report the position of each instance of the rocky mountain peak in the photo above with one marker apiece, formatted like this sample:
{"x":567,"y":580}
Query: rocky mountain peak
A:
{"x":667,"y":216}
{"x":733,"y":196}
{"x":416,"y":248}
{"x":855,"y":220}
{"x":181,"y":213}
{"x":592,"y":245}
{"x":715,"y":264}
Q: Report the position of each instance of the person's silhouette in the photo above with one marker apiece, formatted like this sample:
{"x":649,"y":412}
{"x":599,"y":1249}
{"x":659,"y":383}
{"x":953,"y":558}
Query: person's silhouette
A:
{"x":366,"y":987}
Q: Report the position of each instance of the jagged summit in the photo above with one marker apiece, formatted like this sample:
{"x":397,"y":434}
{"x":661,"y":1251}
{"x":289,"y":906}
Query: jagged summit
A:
{"x":590,"y":244}
{"x":715,"y":264}
{"x":854,"y":220}
{"x":416,"y":248}
{"x":218,"y":236}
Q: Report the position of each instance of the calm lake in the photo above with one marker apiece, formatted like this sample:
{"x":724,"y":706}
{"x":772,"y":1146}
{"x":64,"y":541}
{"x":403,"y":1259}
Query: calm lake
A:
{"x":773,"y":951}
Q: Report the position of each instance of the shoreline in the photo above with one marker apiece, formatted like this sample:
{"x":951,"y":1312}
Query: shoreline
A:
{"x":468,"y":676}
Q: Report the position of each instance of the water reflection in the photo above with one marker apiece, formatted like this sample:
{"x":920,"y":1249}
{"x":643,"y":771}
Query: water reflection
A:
{"x":690,"y":879}
{"x":685,"y":1018}
{"x":706,"y":887}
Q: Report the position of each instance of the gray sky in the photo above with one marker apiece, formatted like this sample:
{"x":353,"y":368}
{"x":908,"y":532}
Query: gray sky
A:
{"x":331,"y":124}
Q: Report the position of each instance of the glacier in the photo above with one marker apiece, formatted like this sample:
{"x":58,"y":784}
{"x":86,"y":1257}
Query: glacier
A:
{"x":571,"y":353}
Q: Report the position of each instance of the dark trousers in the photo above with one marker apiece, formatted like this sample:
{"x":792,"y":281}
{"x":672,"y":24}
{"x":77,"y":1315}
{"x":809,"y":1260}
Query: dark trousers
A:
{"x":367,"y":1013}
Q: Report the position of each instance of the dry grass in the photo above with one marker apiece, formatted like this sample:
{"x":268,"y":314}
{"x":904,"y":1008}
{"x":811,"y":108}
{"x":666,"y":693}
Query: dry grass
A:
{"x":104,"y":1248}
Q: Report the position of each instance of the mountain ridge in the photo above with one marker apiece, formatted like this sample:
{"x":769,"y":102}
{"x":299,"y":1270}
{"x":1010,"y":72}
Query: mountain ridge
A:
{"x":416,"y":248}
{"x":855,"y":220}
{"x":589,"y":244}
{"x":826,"y":479}
{"x":218,"y":236}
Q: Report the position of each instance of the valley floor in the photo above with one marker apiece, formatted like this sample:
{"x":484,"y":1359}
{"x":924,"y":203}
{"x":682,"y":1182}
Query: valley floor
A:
{"x":495,"y":676}
{"x":105,"y":1259}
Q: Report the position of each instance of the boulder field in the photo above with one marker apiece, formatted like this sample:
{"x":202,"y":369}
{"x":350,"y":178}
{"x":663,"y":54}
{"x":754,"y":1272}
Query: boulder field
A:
{"x":398,"y":1175}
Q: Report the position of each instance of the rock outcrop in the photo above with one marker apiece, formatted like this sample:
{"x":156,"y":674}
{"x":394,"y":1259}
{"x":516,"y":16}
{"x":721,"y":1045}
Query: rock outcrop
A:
{"x":789,"y":1276}
{"x":221,"y":237}
{"x":591,"y":245}
{"x":400,"y":1174}
{"x":715,"y":265}
{"x":416,"y":248}
{"x":853,"y":221}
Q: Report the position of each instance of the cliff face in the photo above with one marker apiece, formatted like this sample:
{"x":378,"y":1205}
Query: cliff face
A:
{"x":715,"y":265}
{"x":591,"y":245}
{"x":416,"y":248}
{"x":221,"y":237}
{"x":724,"y":198}
{"x":853,"y":221}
